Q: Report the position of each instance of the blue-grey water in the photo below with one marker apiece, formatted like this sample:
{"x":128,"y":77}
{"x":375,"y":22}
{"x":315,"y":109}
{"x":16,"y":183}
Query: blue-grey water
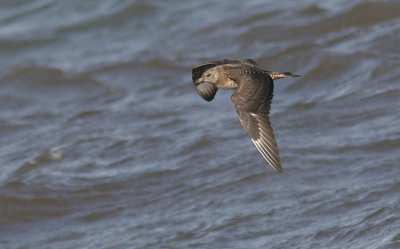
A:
{"x":105,"y":143}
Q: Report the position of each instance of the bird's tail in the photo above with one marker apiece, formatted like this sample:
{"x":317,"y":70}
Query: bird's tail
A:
{"x":276,"y":75}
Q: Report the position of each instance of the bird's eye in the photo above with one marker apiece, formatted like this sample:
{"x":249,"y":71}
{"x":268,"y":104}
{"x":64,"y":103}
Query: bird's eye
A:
{"x":208,"y":75}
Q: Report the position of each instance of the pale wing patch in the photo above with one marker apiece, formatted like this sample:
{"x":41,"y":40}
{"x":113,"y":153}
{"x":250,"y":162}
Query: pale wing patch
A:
{"x":268,"y":155}
{"x":258,"y":127}
{"x":266,"y":143}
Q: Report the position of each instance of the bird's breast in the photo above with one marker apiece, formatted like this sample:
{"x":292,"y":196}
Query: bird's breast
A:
{"x":227,"y":84}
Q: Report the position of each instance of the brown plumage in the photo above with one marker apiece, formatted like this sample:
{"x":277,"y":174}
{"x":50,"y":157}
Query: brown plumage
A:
{"x":251,"y":99}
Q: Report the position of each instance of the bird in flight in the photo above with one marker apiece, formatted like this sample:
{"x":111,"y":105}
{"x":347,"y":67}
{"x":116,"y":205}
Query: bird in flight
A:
{"x":252,"y":98}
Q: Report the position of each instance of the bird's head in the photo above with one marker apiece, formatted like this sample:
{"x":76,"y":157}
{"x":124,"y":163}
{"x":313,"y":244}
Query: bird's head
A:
{"x":218,"y":76}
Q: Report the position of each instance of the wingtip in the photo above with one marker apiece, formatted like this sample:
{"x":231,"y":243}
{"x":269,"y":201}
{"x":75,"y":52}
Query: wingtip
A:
{"x":277,"y":168}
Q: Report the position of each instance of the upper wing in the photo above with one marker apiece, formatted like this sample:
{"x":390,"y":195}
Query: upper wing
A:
{"x":252,"y":101}
{"x":206,"y":90}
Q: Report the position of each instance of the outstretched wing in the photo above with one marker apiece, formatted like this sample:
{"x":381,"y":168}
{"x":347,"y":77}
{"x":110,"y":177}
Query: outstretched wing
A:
{"x":252,"y":101}
{"x":206,"y":90}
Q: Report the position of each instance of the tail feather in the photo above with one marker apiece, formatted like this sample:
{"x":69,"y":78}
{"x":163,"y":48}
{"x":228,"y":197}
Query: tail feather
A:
{"x":276,"y":75}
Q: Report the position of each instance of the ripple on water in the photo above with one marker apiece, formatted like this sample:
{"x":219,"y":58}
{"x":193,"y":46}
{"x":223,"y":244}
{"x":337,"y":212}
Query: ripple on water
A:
{"x":101,"y":129}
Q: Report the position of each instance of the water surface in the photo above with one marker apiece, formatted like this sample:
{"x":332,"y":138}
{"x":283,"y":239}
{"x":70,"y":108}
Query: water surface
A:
{"x":106,"y":144}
